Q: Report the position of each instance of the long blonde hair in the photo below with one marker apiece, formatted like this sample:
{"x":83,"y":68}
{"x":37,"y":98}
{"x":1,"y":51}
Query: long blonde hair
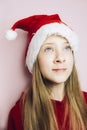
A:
{"x":38,"y":109}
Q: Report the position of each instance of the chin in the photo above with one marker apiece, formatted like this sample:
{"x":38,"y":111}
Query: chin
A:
{"x":57,"y":81}
{"x":60,"y":80}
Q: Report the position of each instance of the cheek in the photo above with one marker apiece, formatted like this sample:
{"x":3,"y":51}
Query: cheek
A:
{"x":44,"y":64}
{"x":70,"y":62}
{"x":42,"y":67}
{"x":45,"y":60}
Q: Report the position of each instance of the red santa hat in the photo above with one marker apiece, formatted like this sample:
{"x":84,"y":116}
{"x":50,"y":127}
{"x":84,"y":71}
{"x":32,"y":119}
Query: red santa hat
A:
{"x":38,"y":28}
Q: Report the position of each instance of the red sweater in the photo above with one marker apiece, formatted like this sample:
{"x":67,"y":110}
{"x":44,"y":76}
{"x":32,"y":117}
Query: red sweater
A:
{"x":15,"y":119}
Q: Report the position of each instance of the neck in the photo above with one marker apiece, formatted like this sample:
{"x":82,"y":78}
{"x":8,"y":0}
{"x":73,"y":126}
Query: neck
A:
{"x":58,"y":92}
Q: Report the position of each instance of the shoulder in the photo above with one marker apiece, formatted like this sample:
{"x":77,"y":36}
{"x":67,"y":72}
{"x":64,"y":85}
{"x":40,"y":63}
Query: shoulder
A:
{"x":85,"y":96}
{"x":16,"y":108}
{"x":15,"y":117}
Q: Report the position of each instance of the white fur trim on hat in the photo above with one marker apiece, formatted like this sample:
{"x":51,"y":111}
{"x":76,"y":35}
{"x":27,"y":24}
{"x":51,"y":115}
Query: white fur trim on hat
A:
{"x":41,"y":35}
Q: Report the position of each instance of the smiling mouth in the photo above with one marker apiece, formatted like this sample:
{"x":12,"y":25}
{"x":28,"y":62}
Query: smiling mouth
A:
{"x":59,"y":70}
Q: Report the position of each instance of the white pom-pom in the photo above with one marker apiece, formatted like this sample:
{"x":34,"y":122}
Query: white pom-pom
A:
{"x":11,"y":35}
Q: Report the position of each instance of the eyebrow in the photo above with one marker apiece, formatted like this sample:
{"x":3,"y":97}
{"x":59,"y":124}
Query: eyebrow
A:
{"x":51,"y":43}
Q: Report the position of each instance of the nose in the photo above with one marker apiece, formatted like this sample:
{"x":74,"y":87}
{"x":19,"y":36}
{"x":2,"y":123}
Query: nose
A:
{"x":59,"y":58}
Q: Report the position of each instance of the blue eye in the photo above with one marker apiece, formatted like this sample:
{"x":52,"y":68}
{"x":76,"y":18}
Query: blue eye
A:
{"x":48,"y":49}
{"x":68,"y":48}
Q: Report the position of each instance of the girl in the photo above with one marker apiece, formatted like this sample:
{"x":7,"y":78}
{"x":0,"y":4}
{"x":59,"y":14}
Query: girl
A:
{"x":54,"y":101}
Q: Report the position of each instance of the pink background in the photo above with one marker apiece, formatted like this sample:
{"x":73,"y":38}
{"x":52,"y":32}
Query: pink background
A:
{"x":13,"y":76}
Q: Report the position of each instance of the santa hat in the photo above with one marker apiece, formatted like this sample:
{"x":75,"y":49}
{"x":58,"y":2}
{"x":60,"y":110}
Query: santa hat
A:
{"x":38,"y":28}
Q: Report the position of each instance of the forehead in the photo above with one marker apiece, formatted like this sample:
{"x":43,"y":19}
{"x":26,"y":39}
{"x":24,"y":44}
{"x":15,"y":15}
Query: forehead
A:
{"x":55,"y":39}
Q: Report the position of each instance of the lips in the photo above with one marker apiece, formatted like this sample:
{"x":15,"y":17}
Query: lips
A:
{"x":59,"y":70}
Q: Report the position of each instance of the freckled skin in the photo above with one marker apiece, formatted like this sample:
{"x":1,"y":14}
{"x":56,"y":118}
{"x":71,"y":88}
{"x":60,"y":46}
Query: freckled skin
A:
{"x":56,"y":59}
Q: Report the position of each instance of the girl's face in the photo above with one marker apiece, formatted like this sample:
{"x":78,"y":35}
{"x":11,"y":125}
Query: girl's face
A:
{"x":55,"y":59}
